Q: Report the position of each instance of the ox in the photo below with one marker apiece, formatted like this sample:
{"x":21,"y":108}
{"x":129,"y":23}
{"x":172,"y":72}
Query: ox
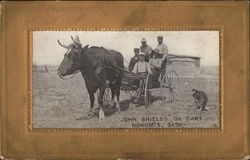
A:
{"x":97,"y":66}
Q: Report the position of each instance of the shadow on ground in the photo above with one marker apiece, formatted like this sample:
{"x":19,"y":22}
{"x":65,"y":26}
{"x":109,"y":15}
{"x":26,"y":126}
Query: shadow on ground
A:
{"x":125,"y":105}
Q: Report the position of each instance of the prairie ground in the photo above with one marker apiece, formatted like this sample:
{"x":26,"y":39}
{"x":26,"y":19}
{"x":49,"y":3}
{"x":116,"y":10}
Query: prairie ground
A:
{"x":60,"y":103}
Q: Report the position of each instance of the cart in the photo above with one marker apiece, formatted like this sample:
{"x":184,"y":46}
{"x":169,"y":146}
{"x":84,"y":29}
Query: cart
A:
{"x":140,"y":84}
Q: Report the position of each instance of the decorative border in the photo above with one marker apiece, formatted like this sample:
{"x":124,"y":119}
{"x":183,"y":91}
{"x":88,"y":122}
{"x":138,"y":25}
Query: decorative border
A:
{"x":124,"y":130}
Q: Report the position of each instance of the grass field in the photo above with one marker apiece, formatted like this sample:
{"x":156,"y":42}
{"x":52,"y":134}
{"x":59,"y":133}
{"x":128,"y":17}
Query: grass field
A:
{"x":59,"y":103}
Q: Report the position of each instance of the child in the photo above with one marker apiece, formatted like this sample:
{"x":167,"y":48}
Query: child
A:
{"x":142,"y":66}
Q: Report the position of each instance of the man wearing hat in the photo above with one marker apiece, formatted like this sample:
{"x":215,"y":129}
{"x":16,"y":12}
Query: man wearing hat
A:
{"x":162,"y":50}
{"x":134,"y":59}
{"x":146,"y":49}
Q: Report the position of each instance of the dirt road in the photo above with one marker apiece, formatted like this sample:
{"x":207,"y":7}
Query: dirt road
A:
{"x":59,"y":103}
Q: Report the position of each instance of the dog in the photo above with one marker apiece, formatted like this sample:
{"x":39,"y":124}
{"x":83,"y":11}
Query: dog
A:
{"x":200,"y":99}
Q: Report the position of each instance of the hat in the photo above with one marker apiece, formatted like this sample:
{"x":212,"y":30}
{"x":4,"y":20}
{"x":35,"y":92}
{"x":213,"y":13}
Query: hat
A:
{"x":161,"y":37}
{"x":143,"y":40}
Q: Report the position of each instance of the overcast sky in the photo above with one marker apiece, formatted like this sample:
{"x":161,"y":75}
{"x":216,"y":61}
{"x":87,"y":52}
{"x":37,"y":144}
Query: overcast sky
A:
{"x":204,"y":44}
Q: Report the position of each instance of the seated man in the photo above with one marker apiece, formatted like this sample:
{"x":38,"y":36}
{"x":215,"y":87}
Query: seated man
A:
{"x":159,"y":58}
{"x":134,"y":59}
{"x":162,"y":51}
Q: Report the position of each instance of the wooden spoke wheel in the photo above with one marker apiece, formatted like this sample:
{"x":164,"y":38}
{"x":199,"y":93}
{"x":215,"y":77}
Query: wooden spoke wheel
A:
{"x":169,"y":84}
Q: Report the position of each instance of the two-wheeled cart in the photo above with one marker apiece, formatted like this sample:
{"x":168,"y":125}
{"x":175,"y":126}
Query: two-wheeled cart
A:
{"x":140,"y":84}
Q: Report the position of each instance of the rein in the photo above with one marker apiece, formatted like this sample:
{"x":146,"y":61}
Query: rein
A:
{"x":114,"y":64}
{"x":125,"y":69}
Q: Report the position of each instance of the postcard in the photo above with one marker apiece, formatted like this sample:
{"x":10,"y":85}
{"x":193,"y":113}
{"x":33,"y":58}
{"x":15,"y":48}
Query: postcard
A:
{"x":124,"y":80}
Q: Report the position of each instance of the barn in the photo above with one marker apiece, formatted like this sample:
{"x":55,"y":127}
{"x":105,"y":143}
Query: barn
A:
{"x":186,"y":66}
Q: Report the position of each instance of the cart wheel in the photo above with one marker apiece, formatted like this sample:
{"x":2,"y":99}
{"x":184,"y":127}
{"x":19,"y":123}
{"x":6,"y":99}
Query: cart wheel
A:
{"x":169,"y":84}
{"x":147,"y":92}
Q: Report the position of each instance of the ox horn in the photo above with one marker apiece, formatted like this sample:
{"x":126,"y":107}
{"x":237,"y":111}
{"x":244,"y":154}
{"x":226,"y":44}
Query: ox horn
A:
{"x":64,"y":46}
{"x":77,"y":38}
{"x":77,"y":42}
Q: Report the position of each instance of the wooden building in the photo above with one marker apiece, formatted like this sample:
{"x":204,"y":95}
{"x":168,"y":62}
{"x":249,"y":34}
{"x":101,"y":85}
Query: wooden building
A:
{"x":185,"y":66}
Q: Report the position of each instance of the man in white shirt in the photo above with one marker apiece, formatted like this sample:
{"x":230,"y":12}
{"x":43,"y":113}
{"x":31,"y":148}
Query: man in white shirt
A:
{"x":162,"y":50}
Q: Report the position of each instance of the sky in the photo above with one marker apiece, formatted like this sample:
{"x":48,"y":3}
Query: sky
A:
{"x":204,"y":44}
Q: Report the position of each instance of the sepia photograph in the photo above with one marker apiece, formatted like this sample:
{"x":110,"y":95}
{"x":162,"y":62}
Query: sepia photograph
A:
{"x":126,"y":79}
